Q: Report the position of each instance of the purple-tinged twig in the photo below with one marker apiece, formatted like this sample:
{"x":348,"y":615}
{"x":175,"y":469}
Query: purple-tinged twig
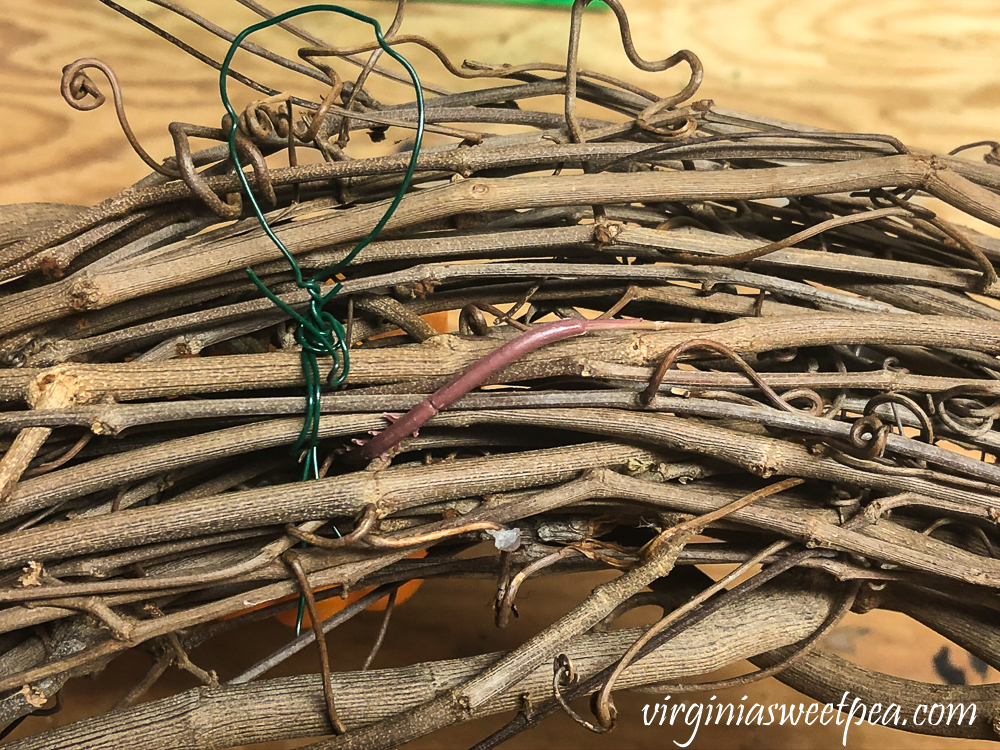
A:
{"x":478,"y":372}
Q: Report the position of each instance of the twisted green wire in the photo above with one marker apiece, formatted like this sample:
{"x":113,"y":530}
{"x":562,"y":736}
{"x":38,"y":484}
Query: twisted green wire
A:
{"x":318,"y":332}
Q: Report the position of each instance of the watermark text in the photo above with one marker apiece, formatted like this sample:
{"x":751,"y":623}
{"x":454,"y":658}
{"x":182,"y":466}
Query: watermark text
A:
{"x":694,"y":715}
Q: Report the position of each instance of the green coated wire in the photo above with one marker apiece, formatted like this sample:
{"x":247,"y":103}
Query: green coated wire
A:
{"x":318,"y":332}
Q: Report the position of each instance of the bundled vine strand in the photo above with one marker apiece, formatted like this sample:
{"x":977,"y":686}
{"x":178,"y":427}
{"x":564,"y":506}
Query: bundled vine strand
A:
{"x":574,"y":341}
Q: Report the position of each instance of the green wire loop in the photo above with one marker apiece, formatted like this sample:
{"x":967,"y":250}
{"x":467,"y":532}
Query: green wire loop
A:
{"x":318,"y":332}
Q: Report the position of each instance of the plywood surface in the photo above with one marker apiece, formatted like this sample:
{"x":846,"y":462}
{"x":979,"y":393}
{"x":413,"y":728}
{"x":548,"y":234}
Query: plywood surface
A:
{"x":923,"y":71}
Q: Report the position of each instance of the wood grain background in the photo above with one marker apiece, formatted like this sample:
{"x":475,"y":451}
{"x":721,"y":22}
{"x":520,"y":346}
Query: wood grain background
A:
{"x":923,"y":70}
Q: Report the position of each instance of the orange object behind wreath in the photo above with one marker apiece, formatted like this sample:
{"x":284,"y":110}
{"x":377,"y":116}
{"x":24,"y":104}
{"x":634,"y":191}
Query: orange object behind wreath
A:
{"x":329,"y":607}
